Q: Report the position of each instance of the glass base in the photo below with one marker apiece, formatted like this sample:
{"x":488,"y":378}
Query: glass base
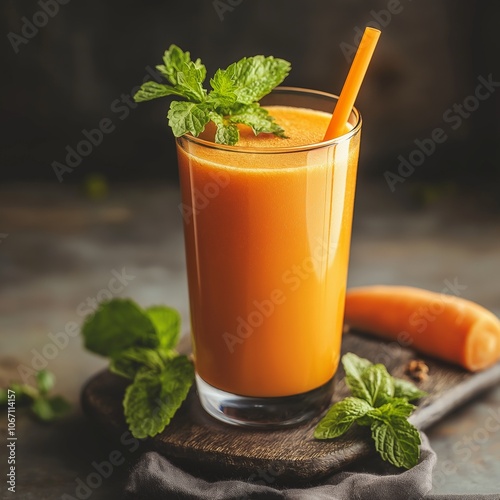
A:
{"x":266,"y":412}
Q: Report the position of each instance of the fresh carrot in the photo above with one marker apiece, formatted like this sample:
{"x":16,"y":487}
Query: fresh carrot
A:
{"x":444,"y":326}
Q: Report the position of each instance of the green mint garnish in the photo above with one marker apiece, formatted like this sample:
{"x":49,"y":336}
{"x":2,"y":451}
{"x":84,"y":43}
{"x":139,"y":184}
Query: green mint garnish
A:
{"x":366,"y":381}
{"x":116,"y":326}
{"x":407,"y":390}
{"x":380,"y":402}
{"x":167,"y":322}
{"x":141,"y":346}
{"x":154,"y":397}
{"x":45,"y":381}
{"x":396,"y":440}
{"x":340,"y":417}
{"x":127,"y":363}
{"x":43,"y":406}
{"x":232,"y":99}
{"x":48,"y":409}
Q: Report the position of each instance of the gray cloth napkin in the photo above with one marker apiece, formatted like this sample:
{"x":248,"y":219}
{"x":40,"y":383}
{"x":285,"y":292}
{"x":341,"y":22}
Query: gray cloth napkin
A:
{"x":154,"y":477}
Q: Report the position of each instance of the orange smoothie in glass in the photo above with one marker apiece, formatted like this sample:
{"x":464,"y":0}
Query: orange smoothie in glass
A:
{"x":267,"y":228}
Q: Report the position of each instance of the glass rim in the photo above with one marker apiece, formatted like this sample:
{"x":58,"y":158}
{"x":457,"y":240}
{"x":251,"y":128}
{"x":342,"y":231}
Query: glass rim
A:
{"x":285,"y":149}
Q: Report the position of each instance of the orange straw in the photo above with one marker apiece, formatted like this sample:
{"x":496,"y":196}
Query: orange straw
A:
{"x":352,"y":84}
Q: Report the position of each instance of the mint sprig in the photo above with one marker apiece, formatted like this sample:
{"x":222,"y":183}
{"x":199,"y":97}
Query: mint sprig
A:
{"x":42,"y":405}
{"x":232,"y":99}
{"x":141,"y":346}
{"x":380,"y":402}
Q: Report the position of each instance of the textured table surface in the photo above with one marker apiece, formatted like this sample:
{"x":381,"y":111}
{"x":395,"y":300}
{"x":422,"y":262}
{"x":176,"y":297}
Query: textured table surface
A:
{"x":59,"y":250}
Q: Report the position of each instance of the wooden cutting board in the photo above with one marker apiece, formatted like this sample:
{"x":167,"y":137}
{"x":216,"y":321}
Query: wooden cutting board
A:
{"x":201,"y":444}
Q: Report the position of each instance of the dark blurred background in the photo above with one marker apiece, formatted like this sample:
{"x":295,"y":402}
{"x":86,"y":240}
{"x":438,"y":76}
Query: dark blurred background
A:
{"x":69,"y":68}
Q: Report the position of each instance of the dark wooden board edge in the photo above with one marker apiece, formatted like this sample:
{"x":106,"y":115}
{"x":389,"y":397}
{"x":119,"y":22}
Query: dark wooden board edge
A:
{"x":216,"y":464}
{"x":448,"y":387}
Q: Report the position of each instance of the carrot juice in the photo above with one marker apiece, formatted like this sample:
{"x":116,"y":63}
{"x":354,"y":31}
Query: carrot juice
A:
{"x":267,"y":227}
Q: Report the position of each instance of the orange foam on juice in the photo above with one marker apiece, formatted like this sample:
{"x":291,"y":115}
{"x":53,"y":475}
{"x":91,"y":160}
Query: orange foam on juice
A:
{"x":267,"y":245}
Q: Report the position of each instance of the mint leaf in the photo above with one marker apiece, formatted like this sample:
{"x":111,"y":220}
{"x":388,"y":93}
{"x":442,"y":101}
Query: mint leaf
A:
{"x":340,"y":417}
{"x":117,"y":325}
{"x":223,"y":93}
{"x":184,"y":117}
{"x":354,"y":364}
{"x":258,"y":118}
{"x":154,"y":90}
{"x":379,"y":384}
{"x":368,"y":381}
{"x":227,"y":132}
{"x":178,"y":374}
{"x":42,"y":410}
{"x":59,"y":406}
{"x":45,"y":381}
{"x":174,"y":61}
{"x":48,"y":409}
{"x":167,"y":322}
{"x":143,"y":405}
{"x":396,"y":407}
{"x":407,"y":390}
{"x":397,"y":441}
{"x":186,"y":77}
{"x":153,"y":398}
{"x":189,"y":81}
{"x":128,"y":362}
{"x":354,"y":367}
{"x":254,"y":77}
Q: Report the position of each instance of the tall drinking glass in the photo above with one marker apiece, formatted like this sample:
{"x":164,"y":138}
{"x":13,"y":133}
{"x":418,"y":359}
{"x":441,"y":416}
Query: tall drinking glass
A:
{"x":267,"y":235}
